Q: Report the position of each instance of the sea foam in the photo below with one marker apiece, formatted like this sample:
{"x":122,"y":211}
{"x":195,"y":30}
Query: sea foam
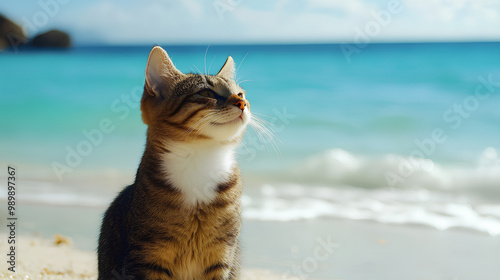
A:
{"x":338,"y":184}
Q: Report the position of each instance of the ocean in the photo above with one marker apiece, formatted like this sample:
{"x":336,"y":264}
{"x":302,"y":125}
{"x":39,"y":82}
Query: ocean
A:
{"x":400,"y":134}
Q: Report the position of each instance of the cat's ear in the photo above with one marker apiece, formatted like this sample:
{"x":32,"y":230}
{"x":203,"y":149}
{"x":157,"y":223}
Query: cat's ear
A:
{"x":160,"y":72}
{"x":227,"y":71}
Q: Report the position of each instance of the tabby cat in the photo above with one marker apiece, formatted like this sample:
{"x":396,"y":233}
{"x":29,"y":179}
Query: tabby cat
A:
{"x":181,"y":218}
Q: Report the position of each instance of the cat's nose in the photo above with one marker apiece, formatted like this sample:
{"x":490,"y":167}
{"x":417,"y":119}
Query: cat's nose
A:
{"x":237,"y":101}
{"x":240,"y":104}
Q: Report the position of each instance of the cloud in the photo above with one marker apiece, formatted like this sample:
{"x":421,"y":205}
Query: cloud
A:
{"x":288,"y":27}
{"x":245,"y":21}
{"x":456,"y":11}
{"x":150,"y":21}
{"x":443,"y":20}
{"x":350,"y":8}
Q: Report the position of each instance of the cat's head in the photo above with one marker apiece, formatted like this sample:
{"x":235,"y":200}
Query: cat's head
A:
{"x":193,"y":107}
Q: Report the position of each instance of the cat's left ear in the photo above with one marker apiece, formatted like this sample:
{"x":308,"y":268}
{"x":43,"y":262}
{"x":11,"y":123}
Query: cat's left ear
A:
{"x":227,"y":71}
{"x":161,"y":73}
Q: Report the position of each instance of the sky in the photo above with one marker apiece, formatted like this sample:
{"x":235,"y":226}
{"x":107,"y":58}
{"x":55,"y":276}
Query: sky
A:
{"x":129,"y":22}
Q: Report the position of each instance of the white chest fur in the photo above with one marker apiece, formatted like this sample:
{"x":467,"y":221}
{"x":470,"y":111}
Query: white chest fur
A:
{"x":197,"y":170}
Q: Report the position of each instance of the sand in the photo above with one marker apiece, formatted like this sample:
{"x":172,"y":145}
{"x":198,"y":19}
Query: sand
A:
{"x":39,"y":258}
{"x":366,"y":250}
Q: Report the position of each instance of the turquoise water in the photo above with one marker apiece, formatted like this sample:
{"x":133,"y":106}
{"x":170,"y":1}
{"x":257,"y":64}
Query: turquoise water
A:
{"x":342,"y":125}
{"x":388,"y":96}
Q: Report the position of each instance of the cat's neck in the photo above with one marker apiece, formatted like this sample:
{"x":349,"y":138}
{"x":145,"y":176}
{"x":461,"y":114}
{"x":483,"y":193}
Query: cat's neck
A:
{"x":197,"y":169}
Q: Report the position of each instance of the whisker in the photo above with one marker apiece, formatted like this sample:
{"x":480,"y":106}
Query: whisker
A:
{"x":209,"y":122}
{"x":240,"y":78}
{"x":241,"y":63}
{"x":210,"y":67}
{"x":269,"y":135}
{"x":205,"y":59}
{"x":245,"y":146}
{"x":209,"y":114}
{"x":244,"y":81}
{"x":259,"y":134}
{"x":199,"y":122}
{"x":197,"y":69}
{"x":265,"y":134}
{"x":253,"y":114}
{"x":264,"y":125}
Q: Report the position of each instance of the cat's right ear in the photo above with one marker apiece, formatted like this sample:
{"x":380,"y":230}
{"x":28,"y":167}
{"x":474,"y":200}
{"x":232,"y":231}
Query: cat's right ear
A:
{"x":161,"y":73}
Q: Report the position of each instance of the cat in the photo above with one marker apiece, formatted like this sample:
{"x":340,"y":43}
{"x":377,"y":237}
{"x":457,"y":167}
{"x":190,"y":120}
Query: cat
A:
{"x":181,"y":218}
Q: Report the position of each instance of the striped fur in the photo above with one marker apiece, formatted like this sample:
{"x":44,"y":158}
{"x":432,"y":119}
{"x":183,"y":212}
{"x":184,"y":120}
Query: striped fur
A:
{"x":181,"y":218}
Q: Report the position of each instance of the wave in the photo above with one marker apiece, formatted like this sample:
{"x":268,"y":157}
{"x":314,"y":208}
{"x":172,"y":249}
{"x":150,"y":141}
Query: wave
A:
{"x":292,"y":202}
{"x":338,"y":167}
{"x":391,"y":189}
{"x":438,"y":210}
{"x":50,"y":193}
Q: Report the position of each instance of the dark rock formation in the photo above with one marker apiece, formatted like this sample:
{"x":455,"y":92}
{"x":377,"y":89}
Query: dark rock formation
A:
{"x":11,"y":34}
{"x":52,"y":39}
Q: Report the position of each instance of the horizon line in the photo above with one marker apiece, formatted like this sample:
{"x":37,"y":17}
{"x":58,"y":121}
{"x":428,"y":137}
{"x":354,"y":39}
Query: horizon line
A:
{"x":201,"y":44}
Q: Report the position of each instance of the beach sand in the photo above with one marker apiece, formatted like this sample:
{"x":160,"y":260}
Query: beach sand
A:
{"x":39,"y":258}
{"x":362,"y":249}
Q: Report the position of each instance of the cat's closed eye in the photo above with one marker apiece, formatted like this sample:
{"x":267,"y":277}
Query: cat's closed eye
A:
{"x":206,"y":93}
